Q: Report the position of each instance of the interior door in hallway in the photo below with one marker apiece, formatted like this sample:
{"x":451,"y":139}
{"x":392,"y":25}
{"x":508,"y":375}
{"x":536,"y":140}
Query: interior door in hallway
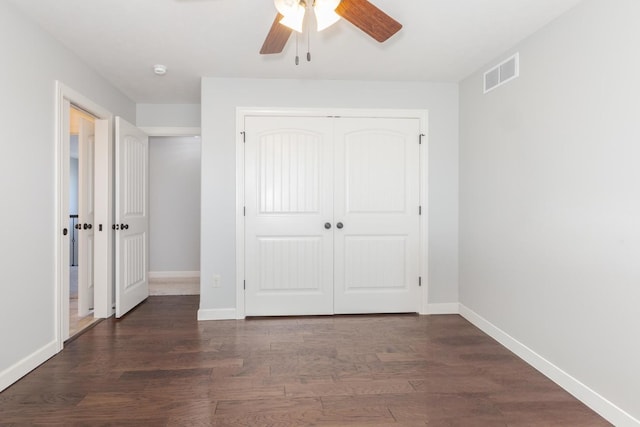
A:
{"x":288,"y":216}
{"x":132,"y":216}
{"x":86,"y":213}
{"x":376,"y":210}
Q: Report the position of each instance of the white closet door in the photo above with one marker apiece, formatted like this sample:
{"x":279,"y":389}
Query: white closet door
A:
{"x":132,"y":216}
{"x":288,"y":200}
{"x":376,"y":200}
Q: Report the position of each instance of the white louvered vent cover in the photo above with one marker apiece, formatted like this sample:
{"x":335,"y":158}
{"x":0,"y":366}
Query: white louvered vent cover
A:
{"x":506,"y":71}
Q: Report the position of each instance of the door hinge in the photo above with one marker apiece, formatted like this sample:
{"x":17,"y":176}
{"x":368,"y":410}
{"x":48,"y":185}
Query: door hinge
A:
{"x":419,"y":280}
{"x":419,"y":210}
{"x":420,"y":138}
{"x":244,"y":211}
{"x":244,"y":136}
{"x":244,"y":284}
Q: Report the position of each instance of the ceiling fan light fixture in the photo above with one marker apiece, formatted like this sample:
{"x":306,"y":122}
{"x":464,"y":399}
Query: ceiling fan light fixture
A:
{"x":285,"y":7}
{"x":325,"y":18}
{"x":294,"y":21}
{"x":363,"y":14}
{"x":292,"y":12}
{"x":325,"y":11}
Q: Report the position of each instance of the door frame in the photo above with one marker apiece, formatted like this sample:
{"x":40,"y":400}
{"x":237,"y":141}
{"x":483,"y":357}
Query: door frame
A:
{"x":243,"y":112}
{"x":103,"y":241}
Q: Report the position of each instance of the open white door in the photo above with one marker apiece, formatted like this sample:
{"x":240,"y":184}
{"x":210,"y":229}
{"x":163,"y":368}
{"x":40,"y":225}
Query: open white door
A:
{"x":132,"y":216}
{"x":86,"y":156}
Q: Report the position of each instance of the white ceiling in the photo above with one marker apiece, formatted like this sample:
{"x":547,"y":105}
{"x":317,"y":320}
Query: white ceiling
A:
{"x":441,"y":41}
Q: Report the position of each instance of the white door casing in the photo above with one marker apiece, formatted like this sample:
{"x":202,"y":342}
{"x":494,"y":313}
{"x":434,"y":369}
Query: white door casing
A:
{"x":288,"y":202}
{"x":64,"y":240}
{"x":86,"y":213}
{"x":132,"y":216}
{"x":370,"y":171}
{"x":376,"y":200}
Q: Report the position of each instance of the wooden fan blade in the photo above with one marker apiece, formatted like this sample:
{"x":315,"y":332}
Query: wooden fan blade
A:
{"x":277,"y":37}
{"x":368,"y":18}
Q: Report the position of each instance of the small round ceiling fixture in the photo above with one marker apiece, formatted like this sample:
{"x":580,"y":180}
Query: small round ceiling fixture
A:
{"x":160,"y":70}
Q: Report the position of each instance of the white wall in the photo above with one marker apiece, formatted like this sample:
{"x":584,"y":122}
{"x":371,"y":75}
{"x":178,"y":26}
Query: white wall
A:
{"x":220,"y":97}
{"x":168,"y":115}
{"x":550,"y":199}
{"x":174,"y":203}
{"x":32,"y":61}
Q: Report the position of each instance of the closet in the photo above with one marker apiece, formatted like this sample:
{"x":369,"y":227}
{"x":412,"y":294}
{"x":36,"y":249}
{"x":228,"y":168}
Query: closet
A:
{"x":332,"y":209}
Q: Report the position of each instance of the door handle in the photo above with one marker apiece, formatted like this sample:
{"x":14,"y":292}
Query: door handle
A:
{"x":89,"y":226}
{"x":85,"y":226}
{"x":124,"y":226}
{"x":340,"y":225}
{"x":327,"y":225}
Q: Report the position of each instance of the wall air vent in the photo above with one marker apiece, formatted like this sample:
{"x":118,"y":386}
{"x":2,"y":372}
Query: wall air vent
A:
{"x":506,"y":71}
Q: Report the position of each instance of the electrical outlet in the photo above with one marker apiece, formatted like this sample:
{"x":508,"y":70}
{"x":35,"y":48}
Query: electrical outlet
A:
{"x":216,"y":281}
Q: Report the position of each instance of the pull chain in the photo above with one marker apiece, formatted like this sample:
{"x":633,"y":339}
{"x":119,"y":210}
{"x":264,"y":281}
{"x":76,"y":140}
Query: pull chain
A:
{"x":297,"y":57}
{"x":308,"y":42}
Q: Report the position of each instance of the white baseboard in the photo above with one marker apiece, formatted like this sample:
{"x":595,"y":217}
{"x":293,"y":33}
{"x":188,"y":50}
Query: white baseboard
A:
{"x":174,"y":274}
{"x":164,"y":288}
{"x":443,"y":308}
{"x":589,"y":397}
{"x":217,"y":314}
{"x":171,"y":131}
{"x":26,"y":365}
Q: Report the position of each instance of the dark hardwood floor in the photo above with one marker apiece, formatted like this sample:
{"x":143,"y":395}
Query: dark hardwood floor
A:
{"x":159,"y":366}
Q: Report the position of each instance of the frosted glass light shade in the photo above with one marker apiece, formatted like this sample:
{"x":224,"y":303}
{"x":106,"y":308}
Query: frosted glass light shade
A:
{"x":294,"y":21}
{"x":285,"y":7}
{"x":325,"y":11}
{"x":293,"y":13}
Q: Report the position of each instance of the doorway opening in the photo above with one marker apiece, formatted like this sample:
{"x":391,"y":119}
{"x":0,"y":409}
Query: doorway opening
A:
{"x":93,"y":257}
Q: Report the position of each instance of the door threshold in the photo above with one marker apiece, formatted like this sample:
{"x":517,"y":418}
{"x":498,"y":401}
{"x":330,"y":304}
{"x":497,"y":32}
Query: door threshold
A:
{"x":83,"y":330}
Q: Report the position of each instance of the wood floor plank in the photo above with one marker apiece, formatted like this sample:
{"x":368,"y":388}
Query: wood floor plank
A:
{"x":159,"y":366}
{"x":352,"y":388}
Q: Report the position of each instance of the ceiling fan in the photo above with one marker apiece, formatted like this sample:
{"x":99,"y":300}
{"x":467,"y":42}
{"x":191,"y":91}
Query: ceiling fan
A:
{"x":360,"y":13}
